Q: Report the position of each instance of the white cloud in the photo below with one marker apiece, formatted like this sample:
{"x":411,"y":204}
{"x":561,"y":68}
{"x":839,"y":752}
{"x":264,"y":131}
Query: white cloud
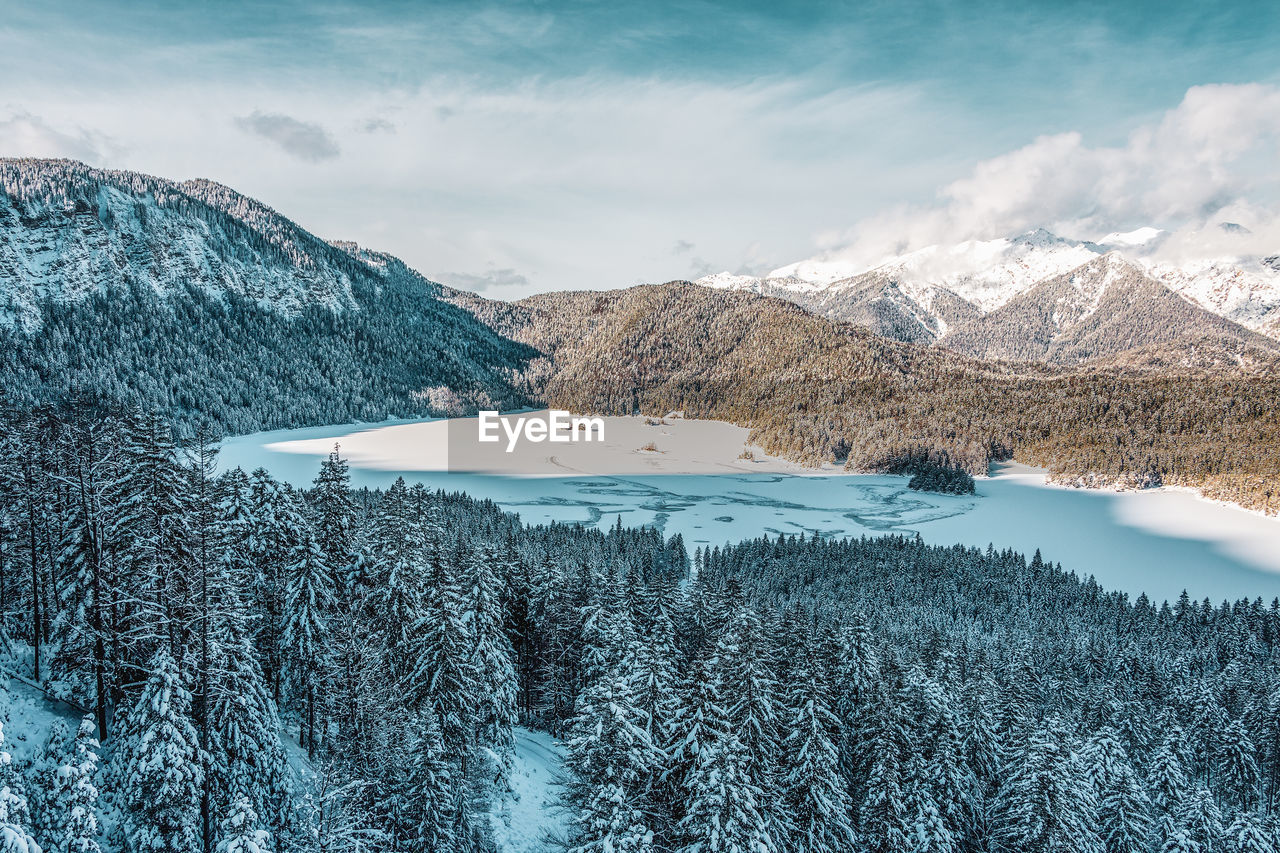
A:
{"x":23,"y":134}
{"x":1213,"y":158}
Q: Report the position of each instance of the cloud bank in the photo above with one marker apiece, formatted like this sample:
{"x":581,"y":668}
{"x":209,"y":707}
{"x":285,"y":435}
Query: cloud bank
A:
{"x":1213,"y":158}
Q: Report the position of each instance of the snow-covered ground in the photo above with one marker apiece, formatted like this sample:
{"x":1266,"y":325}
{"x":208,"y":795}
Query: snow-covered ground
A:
{"x":631,"y":445}
{"x":1158,"y":541}
{"x":531,"y":816}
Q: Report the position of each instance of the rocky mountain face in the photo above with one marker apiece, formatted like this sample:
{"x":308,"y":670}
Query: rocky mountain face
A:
{"x":1038,"y":296}
{"x":68,"y":231}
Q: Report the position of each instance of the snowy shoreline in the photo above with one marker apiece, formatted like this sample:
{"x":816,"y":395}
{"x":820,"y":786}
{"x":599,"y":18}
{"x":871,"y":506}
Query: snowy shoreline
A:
{"x":684,"y":446}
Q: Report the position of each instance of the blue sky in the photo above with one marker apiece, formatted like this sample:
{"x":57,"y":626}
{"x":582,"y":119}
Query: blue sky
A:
{"x":523,"y":147}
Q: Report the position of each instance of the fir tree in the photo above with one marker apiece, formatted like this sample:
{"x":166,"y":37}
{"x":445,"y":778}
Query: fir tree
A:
{"x":816,"y":802}
{"x":240,"y":832}
{"x":77,"y":822}
{"x":158,"y":766}
{"x":309,"y":599}
{"x":1046,"y":806}
{"x":15,"y":817}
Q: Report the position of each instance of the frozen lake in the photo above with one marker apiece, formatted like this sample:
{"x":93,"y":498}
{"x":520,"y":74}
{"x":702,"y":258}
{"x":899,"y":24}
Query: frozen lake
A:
{"x":1158,"y":542}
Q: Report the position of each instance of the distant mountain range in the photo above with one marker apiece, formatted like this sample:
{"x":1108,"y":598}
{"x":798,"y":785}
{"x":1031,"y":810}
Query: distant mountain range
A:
{"x":1040,"y":297}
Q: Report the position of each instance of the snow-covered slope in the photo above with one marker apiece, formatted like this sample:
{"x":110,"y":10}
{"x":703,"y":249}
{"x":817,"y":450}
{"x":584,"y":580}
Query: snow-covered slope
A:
{"x":922,"y":295}
{"x":68,"y":231}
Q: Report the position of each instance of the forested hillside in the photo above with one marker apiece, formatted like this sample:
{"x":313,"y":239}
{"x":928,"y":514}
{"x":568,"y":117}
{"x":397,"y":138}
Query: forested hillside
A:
{"x":197,"y":301}
{"x":816,"y":391}
{"x":793,"y":696}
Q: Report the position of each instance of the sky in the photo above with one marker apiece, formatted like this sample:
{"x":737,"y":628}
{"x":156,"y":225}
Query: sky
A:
{"x":519,"y":148}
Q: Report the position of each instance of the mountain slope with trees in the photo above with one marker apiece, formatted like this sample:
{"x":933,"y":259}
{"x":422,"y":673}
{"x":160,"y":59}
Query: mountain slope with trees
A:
{"x":196,"y":300}
{"x":818,"y":391}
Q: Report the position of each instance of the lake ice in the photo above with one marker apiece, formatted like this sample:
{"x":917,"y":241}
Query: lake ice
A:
{"x":1158,"y":542}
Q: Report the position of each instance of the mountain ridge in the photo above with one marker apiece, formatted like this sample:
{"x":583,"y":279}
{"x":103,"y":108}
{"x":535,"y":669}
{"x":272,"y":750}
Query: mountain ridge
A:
{"x":921,"y":295}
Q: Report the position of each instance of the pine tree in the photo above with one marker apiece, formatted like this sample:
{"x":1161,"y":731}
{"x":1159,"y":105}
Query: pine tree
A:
{"x":151,"y":541}
{"x":723,"y":808}
{"x":335,"y":516}
{"x":309,"y":599}
{"x":444,"y":678}
{"x":1045,"y":805}
{"x":722,"y":812}
{"x":1238,"y":770}
{"x":426,"y":791}
{"x":816,"y":801}
{"x":157,"y":766}
{"x":240,"y":832}
{"x":246,"y":758}
{"x":1165,"y":779}
{"x":1200,"y":819}
{"x":15,"y":817}
{"x":613,"y":762}
{"x":1124,"y":820}
{"x":1248,"y":834}
{"x":884,"y":824}
{"x":77,"y":818}
{"x":928,"y":831}
{"x":492,"y":659}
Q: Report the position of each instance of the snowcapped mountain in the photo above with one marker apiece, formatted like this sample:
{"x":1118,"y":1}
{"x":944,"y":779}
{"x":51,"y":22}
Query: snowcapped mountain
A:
{"x":68,"y":231}
{"x":944,"y":294}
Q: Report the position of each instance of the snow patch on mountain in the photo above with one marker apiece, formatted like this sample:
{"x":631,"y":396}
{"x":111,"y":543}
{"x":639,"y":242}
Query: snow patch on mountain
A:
{"x":987,"y":274}
{"x":1138,"y":237}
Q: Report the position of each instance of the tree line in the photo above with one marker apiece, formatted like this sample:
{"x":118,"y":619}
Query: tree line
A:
{"x":787,"y":694}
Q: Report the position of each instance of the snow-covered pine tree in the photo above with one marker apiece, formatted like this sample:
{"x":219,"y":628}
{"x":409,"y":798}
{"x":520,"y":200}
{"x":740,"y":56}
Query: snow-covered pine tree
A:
{"x":816,"y":812}
{"x":240,"y":831}
{"x":15,"y":817}
{"x":928,"y":832}
{"x":613,"y":763}
{"x":157,"y":766}
{"x":335,"y":516}
{"x":722,"y":811}
{"x":1238,"y":775}
{"x":277,"y":527}
{"x":884,"y":824}
{"x":150,"y":540}
{"x":1201,"y":820}
{"x":75,"y":828}
{"x":1124,"y":809}
{"x":1249,"y":833}
{"x":1165,"y":778}
{"x":245,"y":755}
{"x":425,"y":791}
{"x":492,"y":659}
{"x":444,"y":677}
{"x":721,"y":805}
{"x":309,"y":599}
{"x":396,"y":594}
{"x":1046,"y":805}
